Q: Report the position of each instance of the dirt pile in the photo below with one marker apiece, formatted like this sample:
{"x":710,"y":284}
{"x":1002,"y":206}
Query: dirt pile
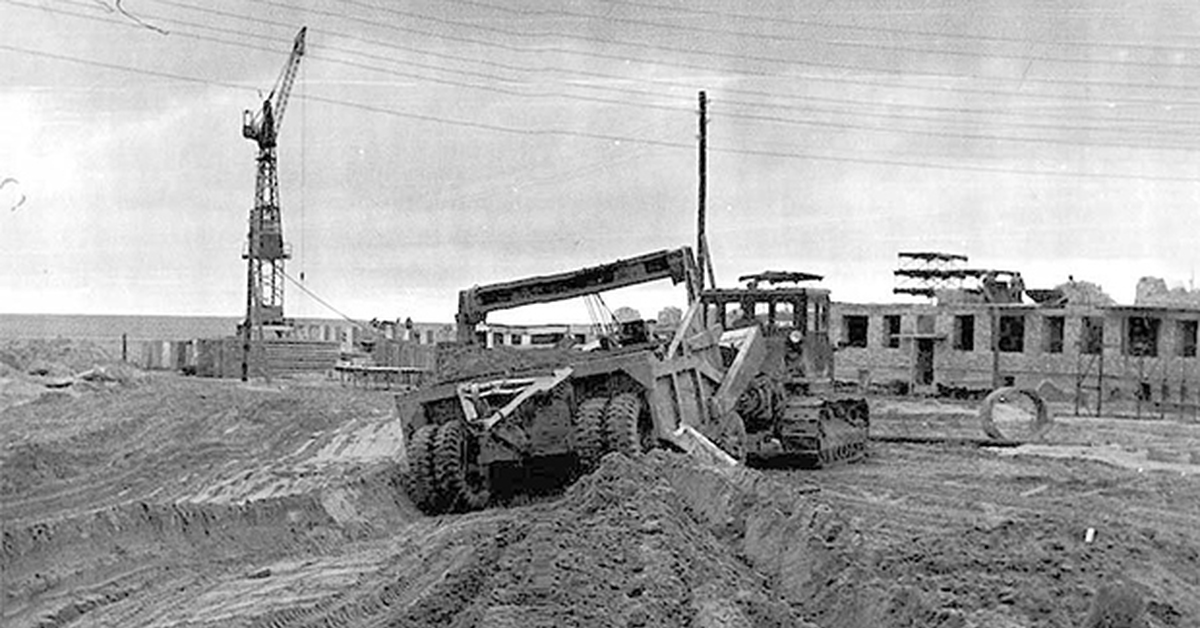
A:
{"x":32,"y":369}
{"x":59,"y":357}
{"x":619,"y":548}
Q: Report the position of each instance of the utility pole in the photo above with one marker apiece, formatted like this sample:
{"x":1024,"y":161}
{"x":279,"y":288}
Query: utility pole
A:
{"x":705,"y":262}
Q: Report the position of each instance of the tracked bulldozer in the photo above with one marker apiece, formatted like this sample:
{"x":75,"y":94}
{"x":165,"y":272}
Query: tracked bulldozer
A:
{"x":745,"y":377}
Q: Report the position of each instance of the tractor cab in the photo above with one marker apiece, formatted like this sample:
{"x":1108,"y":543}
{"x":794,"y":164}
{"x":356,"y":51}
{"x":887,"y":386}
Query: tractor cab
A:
{"x":793,"y":318}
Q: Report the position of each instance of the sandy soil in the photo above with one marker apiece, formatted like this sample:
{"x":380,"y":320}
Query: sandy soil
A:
{"x":157,"y":500}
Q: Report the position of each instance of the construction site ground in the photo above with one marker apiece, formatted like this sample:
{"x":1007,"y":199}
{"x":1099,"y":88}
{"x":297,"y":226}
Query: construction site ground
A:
{"x":137,"y":499}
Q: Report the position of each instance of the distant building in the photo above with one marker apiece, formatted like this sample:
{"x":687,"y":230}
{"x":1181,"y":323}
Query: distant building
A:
{"x":351,"y":335}
{"x":535,"y":336}
{"x":1138,"y":352}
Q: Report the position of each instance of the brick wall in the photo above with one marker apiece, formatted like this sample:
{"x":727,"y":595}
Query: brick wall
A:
{"x":1034,"y":367}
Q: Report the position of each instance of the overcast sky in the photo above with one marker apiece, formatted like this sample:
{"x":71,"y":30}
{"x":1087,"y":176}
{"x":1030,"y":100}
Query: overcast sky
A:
{"x":434,"y":145}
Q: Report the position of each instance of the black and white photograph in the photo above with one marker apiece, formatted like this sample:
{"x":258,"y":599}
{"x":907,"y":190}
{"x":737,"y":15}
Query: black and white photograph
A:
{"x":600,"y":313}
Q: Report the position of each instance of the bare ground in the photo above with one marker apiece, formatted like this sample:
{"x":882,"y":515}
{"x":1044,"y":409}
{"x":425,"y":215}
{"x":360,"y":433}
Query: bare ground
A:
{"x":155,"y":500}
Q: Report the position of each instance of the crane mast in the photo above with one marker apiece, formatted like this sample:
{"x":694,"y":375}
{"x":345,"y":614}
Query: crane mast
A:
{"x":265,"y":250}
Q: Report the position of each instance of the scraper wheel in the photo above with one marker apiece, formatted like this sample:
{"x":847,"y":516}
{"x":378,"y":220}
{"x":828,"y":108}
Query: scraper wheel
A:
{"x":621,"y":425}
{"x":589,"y":432}
{"x":422,"y":487}
{"x":460,"y":478}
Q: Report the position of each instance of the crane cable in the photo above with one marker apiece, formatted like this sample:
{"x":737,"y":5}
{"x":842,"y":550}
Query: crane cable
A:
{"x":358,"y":323}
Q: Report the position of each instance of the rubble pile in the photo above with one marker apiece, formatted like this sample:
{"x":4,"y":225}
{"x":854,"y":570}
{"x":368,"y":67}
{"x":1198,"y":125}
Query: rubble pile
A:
{"x":1153,"y":291}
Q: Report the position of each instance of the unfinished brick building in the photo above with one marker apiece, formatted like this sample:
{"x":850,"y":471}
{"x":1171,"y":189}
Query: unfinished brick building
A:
{"x":1130,"y":352}
{"x":1143,"y":354}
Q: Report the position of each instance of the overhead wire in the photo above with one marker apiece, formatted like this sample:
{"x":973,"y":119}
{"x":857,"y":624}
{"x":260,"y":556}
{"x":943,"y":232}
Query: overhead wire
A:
{"x":1003,"y":112}
{"x":602,"y":136}
{"x":890,"y":30}
{"x":749,"y":72}
{"x":993,"y":111}
{"x":611,"y":137}
{"x":841,"y":79}
{"x":816,"y":40}
{"x":811,"y":123}
{"x":843,"y":67}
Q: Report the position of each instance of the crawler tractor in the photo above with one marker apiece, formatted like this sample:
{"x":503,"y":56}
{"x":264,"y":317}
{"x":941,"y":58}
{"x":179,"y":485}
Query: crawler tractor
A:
{"x":786,"y":398}
{"x":746,"y":377}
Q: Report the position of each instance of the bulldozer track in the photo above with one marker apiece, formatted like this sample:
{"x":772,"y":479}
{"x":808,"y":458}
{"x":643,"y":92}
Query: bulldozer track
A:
{"x":838,"y":427}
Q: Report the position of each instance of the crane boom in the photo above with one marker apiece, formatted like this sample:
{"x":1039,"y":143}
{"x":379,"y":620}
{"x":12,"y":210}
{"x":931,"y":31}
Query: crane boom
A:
{"x":474,"y":303}
{"x":264,"y":127}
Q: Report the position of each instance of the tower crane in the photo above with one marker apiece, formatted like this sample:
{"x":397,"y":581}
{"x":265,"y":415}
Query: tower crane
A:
{"x":265,"y":251}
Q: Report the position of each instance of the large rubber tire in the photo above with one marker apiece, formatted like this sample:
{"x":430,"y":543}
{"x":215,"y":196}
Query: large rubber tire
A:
{"x":621,"y":424}
{"x":589,"y":433}
{"x":422,"y":485}
{"x":460,"y":478}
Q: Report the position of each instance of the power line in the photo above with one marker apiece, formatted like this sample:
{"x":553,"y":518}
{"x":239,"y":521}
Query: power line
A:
{"x":759,"y":58}
{"x":765,"y":118}
{"x":839,"y":80}
{"x":973,"y":37}
{"x":575,"y":71}
{"x":820,"y":124}
{"x":753,"y":117}
{"x":734,"y":114}
{"x":830,"y":42}
{"x":625,"y":58}
{"x":610,"y":137}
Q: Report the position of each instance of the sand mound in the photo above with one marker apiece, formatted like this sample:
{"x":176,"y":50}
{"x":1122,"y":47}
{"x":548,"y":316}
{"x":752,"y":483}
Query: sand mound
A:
{"x":33,"y":370}
{"x":52,"y":357}
{"x":619,"y":548}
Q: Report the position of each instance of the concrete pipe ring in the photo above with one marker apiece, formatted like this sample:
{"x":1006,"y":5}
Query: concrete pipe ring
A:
{"x":1038,"y":426}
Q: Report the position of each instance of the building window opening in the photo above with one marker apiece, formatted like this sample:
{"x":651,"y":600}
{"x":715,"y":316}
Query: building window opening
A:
{"x":1012,"y":334}
{"x":1092,"y":335}
{"x":762,"y":313}
{"x":1141,"y":338}
{"x":1053,"y":338}
{"x":891,"y":323}
{"x":964,"y":332}
{"x":1187,"y":338}
{"x":855,"y":331}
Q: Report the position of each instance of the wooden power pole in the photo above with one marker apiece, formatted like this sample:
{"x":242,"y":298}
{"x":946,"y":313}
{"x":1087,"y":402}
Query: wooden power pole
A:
{"x":704,"y":260}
